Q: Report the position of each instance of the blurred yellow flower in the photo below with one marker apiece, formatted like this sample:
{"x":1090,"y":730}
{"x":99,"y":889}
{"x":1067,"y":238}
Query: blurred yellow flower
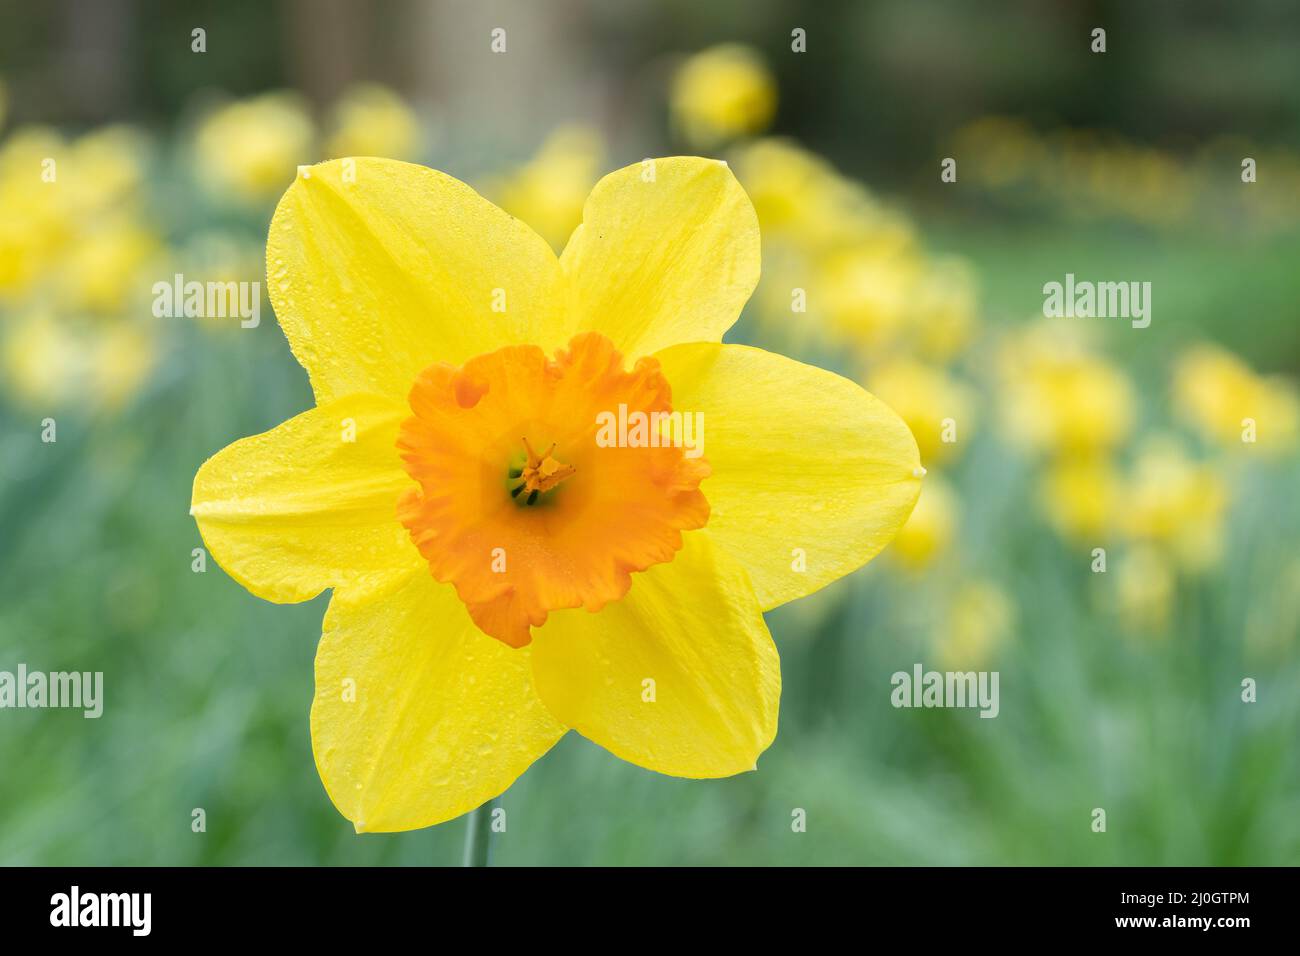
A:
{"x":867,"y":297}
{"x":936,"y":407}
{"x":121,"y":358}
{"x":946,"y":310}
{"x":721,"y":94}
{"x":997,"y":151}
{"x":548,"y":191}
{"x":107,"y":266}
{"x":930,"y":529}
{"x":55,"y":195}
{"x":1059,"y":397}
{"x":76,"y":254}
{"x":110,"y":165}
{"x":1176,"y":504}
{"x":1145,"y":585}
{"x":49,"y":363}
{"x":42,"y":361}
{"x":251,"y":149}
{"x":36,"y":217}
{"x":1081,"y":497}
{"x":801,"y":198}
{"x":372,"y":120}
{"x":978,"y":618}
{"x":855,"y":265}
{"x":1217,"y":393}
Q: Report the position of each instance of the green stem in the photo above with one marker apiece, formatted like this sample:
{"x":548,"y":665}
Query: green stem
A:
{"x":478,"y":835}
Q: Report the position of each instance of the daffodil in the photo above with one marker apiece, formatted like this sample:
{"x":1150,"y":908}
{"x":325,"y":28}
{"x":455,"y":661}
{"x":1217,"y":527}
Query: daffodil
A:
{"x":978,"y":619}
{"x":71,"y":208}
{"x":946,"y":310}
{"x":1060,"y":397}
{"x":97,"y":365}
{"x":108,"y":265}
{"x":1216,"y":392}
{"x":36,"y":217}
{"x":868,"y":297}
{"x":999,"y":151}
{"x":1145,"y":585}
{"x":41,"y":359}
{"x":121,"y":358}
{"x":248,"y":150}
{"x":1081,"y":497}
{"x":937,"y":408}
{"x":930,"y":528}
{"x":802,"y":198}
{"x":1176,"y":504}
{"x":76,"y":250}
{"x":722,"y":93}
{"x":500,"y":573}
{"x":372,"y":120}
{"x":548,"y":191}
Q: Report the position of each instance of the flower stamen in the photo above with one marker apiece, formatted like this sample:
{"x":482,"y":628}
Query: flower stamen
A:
{"x":540,"y":473}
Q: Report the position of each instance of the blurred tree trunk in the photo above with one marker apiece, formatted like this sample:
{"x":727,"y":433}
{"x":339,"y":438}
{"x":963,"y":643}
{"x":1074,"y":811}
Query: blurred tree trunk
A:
{"x":541,"y":79}
{"x":327,"y":40}
{"x":93,"y":69}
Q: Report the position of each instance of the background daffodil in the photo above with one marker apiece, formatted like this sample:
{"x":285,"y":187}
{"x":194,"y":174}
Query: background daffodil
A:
{"x":448,"y":487}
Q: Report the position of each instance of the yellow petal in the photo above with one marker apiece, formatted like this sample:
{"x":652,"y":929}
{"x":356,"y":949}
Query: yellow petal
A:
{"x":419,"y":716}
{"x":310,"y":504}
{"x":681,"y":676}
{"x":667,"y":252}
{"x":809,"y":470}
{"x":374,"y":279}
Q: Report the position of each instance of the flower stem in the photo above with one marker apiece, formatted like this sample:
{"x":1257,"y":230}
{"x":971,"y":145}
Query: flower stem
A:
{"x":478,"y":835}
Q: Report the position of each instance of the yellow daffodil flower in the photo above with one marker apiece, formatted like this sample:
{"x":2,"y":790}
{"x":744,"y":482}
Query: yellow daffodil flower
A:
{"x":36,"y":218}
{"x":1081,"y":497}
{"x":978,"y":619}
{"x":76,"y":253}
{"x":97,"y":366}
{"x":930,"y":529}
{"x":937,"y":408}
{"x":249,"y":150}
{"x":109,"y":265}
{"x":372,"y":120}
{"x":1145,"y":586}
{"x":946,"y":310}
{"x":110,"y":165}
{"x":42,"y":360}
{"x":868,"y":297}
{"x":1000,"y":151}
{"x":500,"y":572}
{"x":548,"y":191}
{"x":1220,"y":395}
{"x":121,"y":358}
{"x":1176,"y":504}
{"x":1059,"y":397}
{"x":801,"y":198}
{"x":723,"y":93}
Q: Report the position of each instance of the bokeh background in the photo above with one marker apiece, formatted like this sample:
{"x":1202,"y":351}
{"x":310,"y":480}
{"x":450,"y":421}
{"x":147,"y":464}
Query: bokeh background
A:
{"x":1120,"y":690}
